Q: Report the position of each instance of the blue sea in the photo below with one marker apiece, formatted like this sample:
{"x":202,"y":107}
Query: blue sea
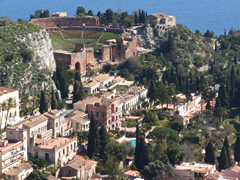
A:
{"x":215,"y":15}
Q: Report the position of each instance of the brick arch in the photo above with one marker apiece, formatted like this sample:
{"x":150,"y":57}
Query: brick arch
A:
{"x":77,"y":66}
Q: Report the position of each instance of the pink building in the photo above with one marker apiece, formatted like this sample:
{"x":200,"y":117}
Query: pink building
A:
{"x":106,"y":112}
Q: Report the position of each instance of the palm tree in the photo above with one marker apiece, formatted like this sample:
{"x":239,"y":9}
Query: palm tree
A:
{"x":4,"y":108}
{"x":10,"y":104}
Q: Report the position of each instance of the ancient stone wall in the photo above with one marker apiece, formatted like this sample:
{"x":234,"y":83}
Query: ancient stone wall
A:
{"x":66,"y":21}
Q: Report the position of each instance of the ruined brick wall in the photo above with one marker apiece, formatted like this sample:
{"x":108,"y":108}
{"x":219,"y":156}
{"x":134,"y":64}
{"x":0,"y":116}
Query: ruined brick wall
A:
{"x":64,"y":59}
{"x":76,"y":60}
{"x":66,"y":21}
{"x":106,"y":53}
{"x":131,"y":47}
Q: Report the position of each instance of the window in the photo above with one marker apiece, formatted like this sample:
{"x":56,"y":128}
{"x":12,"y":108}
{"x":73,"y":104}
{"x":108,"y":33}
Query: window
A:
{"x":47,"y":156}
{"x":116,"y":118}
{"x":97,"y":114}
{"x":69,"y":172}
{"x":38,"y":130}
{"x":116,"y":109}
{"x":63,"y":151}
{"x":109,"y":122}
{"x":56,"y":125}
{"x":71,"y":146}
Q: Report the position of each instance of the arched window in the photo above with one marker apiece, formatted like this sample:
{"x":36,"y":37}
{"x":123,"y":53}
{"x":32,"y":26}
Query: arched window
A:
{"x":56,"y":125}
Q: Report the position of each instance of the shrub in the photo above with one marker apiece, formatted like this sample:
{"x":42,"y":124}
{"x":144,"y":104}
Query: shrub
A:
{"x":191,"y":138}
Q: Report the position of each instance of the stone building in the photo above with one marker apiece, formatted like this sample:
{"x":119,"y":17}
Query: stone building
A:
{"x":119,"y":48}
{"x":58,"y":151}
{"x":59,"y":22}
{"x":162,"y":19}
{"x":13,"y":115}
{"x":59,"y":14}
{"x":78,"y":59}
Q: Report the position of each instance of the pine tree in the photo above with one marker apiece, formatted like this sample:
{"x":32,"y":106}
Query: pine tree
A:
{"x":223,"y":160}
{"x":53,"y":100}
{"x":43,"y":103}
{"x":210,"y":154}
{"x":228,"y":150}
{"x":237,"y":149}
{"x":104,"y":139}
{"x":218,"y":103}
{"x":93,"y":137}
{"x":208,"y":106}
{"x":159,"y":151}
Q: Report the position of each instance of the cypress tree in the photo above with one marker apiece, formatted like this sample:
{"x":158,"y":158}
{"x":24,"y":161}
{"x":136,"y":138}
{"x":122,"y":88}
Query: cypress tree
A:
{"x":223,"y":96}
{"x":104,"y":139}
{"x":210,"y":154}
{"x":152,"y":91}
{"x":228,"y":150}
{"x":208,"y":106}
{"x":53,"y":100}
{"x":43,"y":103}
{"x":237,"y":149}
{"x":77,"y":76}
{"x":143,"y":17}
{"x":137,"y":147}
{"x":235,"y":59}
{"x":135,"y":19}
{"x":140,"y":158}
{"x":139,"y":17}
{"x":218,"y":103}
{"x":76,"y":91}
{"x":93,"y":137}
{"x":223,"y":160}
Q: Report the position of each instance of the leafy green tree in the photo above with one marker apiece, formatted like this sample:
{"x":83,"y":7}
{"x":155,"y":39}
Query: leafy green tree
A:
{"x":209,"y":154}
{"x":104,"y":139}
{"x":53,"y":100}
{"x":80,"y":11}
{"x":109,"y":15}
{"x":174,"y":154}
{"x":37,"y":175}
{"x":43,"y":103}
{"x":237,"y":149}
{"x":90,"y":13}
{"x":228,"y":150}
{"x":93,"y":135}
{"x":176,"y":125}
{"x":158,"y":170}
{"x":223,"y":160}
{"x":46,"y":13}
{"x":111,"y":168}
{"x":159,"y":152}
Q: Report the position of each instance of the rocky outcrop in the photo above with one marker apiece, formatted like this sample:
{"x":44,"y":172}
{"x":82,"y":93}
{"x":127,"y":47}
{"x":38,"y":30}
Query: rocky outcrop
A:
{"x":40,"y":44}
{"x":145,"y":37}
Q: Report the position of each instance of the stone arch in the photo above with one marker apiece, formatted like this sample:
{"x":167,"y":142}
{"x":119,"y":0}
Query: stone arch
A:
{"x":77,"y":66}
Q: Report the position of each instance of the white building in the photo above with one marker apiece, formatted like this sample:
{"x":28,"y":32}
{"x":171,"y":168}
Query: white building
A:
{"x":58,"y":151}
{"x":19,"y":172}
{"x":12,"y":116}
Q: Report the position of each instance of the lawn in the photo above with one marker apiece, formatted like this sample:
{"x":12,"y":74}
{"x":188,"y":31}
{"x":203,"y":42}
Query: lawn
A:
{"x":109,"y":35}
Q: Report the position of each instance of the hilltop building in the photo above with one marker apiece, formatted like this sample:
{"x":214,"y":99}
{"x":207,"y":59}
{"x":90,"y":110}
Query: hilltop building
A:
{"x":162,"y":19}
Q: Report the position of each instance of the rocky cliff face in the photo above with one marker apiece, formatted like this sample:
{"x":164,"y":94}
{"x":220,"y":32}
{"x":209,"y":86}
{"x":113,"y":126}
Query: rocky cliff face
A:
{"x":145,"y":41}
{"x":40,"y":44}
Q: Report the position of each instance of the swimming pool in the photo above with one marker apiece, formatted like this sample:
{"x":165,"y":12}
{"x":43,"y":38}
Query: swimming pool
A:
{"x":133,"y":142}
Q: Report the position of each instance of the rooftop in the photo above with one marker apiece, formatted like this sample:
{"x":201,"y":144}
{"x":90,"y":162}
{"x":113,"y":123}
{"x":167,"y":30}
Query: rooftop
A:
{"x":76,"y":112}
{"x":53,"y":114}
{"x":75,"y":164}
{"x":4,"y":90}
{"x":195,"y":167}
{"x":160,"y":15}
{"x":35,"y":120}
{"x":80,"y":120}
{"x":89,"y":100}
{"x":90,"y":83}
{"x":88,"y":163}
{"x":132,"y":173}
{"x":17,"y":170}
{"x":102,"y":77}
{"x":51,"y":144}
{"x":10,"y":145}
{"x":126,"y":83}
